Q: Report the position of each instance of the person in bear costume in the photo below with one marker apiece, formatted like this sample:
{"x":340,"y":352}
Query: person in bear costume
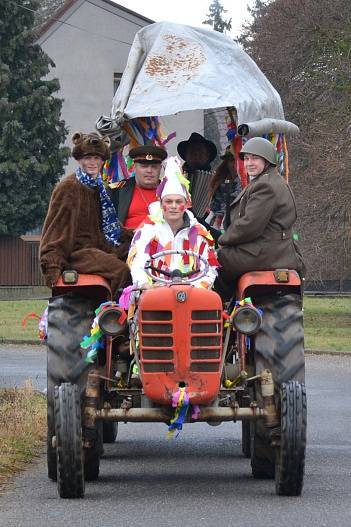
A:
{"x":81,"y":230}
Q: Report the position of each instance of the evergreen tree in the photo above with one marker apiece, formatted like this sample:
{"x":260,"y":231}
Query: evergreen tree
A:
{"x":31,"y":132}
{"x":215,"y":17}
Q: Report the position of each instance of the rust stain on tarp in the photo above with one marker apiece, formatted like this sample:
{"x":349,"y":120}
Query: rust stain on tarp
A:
{"x":177,"y":62}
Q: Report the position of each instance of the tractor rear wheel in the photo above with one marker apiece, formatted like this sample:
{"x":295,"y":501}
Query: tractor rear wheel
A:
{"x":290,"y":462}
{"x":262,"y":455}
{"x":69,"y":319}
{"x":110,"y":431}
{"x":246,"y":439}
{"x":51,"y":451}
{"x":245,"y":429}
{"x":69,"y":449}
{"x":92,"y":456}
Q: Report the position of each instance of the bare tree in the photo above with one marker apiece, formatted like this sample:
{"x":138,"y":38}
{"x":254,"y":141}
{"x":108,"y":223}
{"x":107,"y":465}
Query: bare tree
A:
{"x":46,"y":10}
{"x":304,"y":48}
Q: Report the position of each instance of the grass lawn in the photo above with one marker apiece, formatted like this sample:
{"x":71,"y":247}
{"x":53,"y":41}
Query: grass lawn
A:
{"x":11,"y":315}
{"x":327,"y":322}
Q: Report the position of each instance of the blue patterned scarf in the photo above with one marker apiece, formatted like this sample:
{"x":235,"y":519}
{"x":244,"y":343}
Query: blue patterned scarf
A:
{"x":111,"y":225}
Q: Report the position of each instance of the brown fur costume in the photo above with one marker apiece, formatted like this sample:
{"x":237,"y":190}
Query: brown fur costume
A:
{"x":73,"y":238}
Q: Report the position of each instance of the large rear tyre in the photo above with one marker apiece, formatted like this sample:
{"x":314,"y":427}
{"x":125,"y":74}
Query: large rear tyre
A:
{"x":262,"y":454}
{"x":68,"y":426}
{"x":246,"y":439}
{"x":69,"y":319}
{"x":91,"y":464}
{"x":290,"y":462}
{"x":110,"y":431}
{"x":92,"y":456}
{"x":245,"y":430}
{"x":51,"y":451}
{"x":280,"y":341}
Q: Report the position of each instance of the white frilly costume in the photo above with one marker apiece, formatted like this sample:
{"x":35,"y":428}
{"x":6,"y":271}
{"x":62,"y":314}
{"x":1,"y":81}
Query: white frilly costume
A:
{"x":156,"y":235}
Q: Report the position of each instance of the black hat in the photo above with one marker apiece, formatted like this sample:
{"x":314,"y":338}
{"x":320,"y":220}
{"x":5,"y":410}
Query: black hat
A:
{"x":147,"y":154}
{"x":197,"y":138}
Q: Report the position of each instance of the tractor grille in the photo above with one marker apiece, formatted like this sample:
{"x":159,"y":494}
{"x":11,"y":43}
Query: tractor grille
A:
{"x":206,"y":315}
{"x":157,"y":341}
{"x":157,"y":315}
{"x":206,"y":341}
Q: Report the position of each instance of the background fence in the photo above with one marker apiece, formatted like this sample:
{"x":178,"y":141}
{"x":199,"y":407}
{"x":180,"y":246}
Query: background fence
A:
{"x":19,"y":262}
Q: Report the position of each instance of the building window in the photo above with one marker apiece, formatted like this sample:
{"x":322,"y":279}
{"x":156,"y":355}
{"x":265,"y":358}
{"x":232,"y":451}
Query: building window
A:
{"x":116,"y":81}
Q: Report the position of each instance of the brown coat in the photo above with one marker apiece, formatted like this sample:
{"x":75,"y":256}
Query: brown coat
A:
{"x":72,"y":236}
{"x":259,"y":236}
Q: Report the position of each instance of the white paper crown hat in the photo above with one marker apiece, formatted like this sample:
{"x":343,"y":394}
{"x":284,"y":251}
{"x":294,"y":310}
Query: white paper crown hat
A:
{"x":173,"y":181}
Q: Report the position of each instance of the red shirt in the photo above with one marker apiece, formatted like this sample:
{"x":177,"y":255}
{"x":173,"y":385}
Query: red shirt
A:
{"x":138,"y":208}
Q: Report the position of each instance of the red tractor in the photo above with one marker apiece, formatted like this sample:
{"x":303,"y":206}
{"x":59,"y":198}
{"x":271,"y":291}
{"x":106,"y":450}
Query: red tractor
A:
{"x":243,"y":363}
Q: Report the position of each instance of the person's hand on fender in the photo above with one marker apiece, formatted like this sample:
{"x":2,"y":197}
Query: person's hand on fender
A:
{"x":146,"y":286}
{"x":51,"y":276}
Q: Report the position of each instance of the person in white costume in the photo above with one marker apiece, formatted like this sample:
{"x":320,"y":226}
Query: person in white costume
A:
{"x":171,"y":226}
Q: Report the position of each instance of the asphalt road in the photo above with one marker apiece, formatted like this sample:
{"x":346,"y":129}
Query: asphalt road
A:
{"x":201,"y":478}
{"x":18,"y":364}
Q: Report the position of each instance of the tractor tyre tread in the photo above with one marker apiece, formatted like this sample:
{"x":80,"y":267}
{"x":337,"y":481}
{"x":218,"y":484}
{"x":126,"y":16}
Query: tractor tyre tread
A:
{"x":291,"y":455}
{"x":70,"y":471}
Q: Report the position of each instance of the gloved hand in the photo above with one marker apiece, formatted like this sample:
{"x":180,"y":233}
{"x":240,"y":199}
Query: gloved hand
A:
{"x":51,"y":276}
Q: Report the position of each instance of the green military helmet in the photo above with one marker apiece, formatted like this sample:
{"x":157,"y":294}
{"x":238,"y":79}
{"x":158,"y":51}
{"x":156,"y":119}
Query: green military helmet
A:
{"x":260,"y":147}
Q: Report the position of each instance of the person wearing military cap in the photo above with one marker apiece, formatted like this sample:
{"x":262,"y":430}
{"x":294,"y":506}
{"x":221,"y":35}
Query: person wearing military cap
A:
{"x":81,"y":229}
{"x":133,"y":197}
{"x":259,"y":236}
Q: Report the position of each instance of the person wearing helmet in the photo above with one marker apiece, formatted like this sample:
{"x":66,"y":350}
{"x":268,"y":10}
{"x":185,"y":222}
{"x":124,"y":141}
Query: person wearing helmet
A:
{"x":259,"y":235}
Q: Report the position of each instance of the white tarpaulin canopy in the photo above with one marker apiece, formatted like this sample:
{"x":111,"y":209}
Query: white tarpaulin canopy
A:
{"x":173,"y":68}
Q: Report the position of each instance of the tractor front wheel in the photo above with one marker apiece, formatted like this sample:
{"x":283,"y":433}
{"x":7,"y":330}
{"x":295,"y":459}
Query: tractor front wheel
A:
{"x":290,"y":461}
{"x":69,"y":448}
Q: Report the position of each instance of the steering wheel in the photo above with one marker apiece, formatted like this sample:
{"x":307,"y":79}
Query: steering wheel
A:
{"x":176,"y":276}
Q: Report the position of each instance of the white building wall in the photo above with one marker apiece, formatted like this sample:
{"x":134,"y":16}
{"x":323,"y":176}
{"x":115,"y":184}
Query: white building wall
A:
{"x":86,"y":60}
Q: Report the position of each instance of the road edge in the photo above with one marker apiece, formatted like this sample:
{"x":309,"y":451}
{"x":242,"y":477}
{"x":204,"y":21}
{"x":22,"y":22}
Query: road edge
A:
{"x":38,"y":342}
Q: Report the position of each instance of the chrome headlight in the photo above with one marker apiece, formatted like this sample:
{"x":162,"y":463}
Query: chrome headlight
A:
{"x":247,"y":320}
{"x":112,"y":321}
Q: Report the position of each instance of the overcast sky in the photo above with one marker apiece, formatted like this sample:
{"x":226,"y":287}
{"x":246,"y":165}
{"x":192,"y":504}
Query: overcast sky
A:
{"x":190,"y":12}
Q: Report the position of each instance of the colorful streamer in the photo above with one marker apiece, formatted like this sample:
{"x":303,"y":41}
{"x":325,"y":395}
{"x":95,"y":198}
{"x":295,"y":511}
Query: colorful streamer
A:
{"x":181,"y":403}
{"x":96,"y":340}
{"x":42,"y":324}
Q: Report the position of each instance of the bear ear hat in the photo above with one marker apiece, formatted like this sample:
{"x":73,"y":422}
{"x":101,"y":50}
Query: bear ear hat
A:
{"x":77,"y":138}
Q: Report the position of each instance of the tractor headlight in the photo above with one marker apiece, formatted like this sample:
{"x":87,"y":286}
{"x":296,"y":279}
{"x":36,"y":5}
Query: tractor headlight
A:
{"x":247,"y":320}
{"x":112,"y":321}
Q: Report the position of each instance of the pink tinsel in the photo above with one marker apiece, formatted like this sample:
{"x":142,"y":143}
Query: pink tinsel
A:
{"x":124,"y":299}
